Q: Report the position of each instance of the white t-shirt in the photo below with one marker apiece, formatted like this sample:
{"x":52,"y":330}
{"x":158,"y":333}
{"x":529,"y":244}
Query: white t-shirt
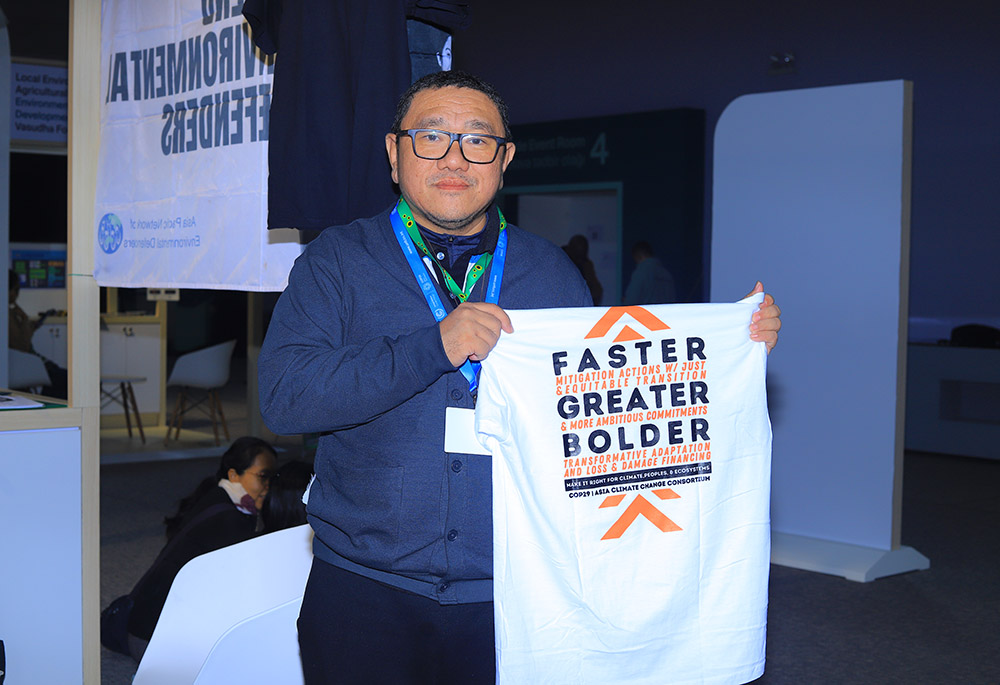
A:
{"x":631,"y":477}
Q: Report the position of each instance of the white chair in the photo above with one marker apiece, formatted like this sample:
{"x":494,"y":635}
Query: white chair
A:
{"x":261,"y":649}
{"x":230,"y":615}
{"x":26,"y":372}
{"x":204,"y":371}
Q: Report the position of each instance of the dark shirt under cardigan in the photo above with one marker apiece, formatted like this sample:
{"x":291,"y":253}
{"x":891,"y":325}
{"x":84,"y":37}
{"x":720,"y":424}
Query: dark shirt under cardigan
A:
{"x":353,"y":352}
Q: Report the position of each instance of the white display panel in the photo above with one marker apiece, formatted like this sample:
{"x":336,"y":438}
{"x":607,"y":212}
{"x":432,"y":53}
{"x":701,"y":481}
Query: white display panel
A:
{"x":811,"y":196}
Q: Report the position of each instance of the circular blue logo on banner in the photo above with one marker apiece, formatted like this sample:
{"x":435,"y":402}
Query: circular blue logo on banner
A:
{"x":109,"y":233}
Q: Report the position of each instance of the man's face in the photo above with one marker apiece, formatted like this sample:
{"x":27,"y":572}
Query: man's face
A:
{"x":451,"y":194}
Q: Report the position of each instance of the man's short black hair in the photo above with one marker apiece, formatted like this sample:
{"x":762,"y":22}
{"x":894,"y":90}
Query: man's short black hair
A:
{"x":443,"y":79}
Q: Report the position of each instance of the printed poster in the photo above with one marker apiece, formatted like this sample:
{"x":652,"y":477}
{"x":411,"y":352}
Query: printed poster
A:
{"x":182,"y":168}
{"x":38,"y":103}
{"x":631,"y":467}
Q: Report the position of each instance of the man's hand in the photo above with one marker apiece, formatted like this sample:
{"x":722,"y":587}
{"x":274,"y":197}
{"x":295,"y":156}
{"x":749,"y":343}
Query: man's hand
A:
{"x":471,"y":331}
{"x":766,"y":321}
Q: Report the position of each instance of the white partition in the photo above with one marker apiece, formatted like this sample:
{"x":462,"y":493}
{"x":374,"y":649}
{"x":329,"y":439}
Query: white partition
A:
{"x":222,"y":597}
{"x":811,"y":195}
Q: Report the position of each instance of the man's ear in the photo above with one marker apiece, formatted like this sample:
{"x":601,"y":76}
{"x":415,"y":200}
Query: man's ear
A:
{"x":508,"y":155}
{"x":392,"y":152}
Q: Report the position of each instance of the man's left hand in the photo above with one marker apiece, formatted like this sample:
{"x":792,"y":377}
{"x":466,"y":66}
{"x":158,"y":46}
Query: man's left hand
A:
{"x":766,"y":321}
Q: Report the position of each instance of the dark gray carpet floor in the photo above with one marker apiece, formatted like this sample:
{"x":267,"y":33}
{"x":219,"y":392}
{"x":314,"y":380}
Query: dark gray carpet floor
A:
{"x":936,"y":626}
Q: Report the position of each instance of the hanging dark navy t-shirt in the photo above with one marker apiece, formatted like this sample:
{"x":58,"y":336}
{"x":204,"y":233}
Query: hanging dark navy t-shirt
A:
{"x":343,"y":65}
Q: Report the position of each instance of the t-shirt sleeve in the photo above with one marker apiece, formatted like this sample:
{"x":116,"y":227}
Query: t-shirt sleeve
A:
{"x":264,"y":17}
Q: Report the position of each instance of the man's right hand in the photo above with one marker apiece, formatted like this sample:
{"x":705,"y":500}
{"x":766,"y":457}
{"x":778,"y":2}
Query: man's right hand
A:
{"x":471,"y":331}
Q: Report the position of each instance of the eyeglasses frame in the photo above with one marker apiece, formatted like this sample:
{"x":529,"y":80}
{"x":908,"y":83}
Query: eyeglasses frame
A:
{"x":501,"y":142}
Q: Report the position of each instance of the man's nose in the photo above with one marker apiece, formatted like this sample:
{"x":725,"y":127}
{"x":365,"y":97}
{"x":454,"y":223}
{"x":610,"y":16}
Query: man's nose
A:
{"x":454,"y":159}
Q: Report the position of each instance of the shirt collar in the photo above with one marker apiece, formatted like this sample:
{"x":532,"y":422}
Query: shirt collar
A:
{"x":479,"y":243}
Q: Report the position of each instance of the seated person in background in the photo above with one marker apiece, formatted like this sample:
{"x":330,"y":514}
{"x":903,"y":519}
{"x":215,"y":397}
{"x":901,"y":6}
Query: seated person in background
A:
{"x":22,"y":328}
{"x":222,"y":510}
{"x":283,"y":506}
{"x":21,"y":325}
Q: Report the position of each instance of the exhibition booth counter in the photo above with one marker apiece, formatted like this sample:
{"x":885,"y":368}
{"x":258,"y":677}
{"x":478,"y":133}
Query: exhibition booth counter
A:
{"x":42,"y":533}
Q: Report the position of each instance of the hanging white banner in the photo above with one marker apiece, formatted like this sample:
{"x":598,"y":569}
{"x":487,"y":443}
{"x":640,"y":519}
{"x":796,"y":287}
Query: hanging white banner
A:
{"x":182,"y":171}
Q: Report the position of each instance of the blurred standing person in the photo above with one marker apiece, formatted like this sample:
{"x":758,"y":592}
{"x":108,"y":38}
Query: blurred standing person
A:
{"x":651,"y":282}
{"x":577,"y":249}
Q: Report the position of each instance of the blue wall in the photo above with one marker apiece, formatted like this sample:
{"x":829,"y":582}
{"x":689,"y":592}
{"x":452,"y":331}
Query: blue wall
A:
{"x":558,"y":59}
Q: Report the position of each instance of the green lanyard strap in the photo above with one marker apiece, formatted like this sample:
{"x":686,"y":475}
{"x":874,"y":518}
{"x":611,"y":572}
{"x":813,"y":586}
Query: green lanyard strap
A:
{"x":479,"y":263}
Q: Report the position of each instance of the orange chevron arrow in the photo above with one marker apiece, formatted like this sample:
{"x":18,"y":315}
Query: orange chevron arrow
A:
{"x":614,"y":314}
{"x":640,"y":506}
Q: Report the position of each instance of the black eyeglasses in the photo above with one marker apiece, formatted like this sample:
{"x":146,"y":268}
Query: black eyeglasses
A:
{"x":264,"y":476}
{"x":430,"y":143}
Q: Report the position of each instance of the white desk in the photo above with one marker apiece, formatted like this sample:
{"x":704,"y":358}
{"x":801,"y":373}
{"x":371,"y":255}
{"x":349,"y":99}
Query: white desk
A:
{"x":953,"y":400}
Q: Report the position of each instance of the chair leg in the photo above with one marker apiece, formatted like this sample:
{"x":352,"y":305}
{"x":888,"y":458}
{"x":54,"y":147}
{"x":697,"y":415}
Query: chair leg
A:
{"x":211,"y":412}
{"x":180,"y":417}
{"x":128,"y":422}
{"x":135,"y":410}
{"x":222,"y":416}
{"x":173,"y":419}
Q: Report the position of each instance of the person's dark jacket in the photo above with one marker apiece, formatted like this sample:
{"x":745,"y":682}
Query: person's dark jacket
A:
{"x":215,"y":532}
{"x":353,"y":352}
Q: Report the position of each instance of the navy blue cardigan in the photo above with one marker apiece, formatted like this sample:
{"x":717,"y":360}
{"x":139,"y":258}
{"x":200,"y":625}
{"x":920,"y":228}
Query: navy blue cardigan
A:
{"x":353,"y":352}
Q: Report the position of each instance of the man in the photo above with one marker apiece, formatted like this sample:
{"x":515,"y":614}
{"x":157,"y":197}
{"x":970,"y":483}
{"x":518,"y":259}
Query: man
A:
{"x":651,"y":282}
{"x":376,"y":335}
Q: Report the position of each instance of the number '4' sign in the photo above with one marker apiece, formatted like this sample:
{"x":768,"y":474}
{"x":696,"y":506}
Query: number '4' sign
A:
{"x":600,"y":148}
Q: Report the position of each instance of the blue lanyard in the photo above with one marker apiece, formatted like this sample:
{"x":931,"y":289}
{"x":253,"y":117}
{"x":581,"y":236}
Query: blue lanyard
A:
{"x":469,"y":368}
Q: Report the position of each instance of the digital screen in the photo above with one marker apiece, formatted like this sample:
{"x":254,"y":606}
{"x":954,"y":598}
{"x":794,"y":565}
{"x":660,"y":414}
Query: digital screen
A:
{"x":39,"y":268}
